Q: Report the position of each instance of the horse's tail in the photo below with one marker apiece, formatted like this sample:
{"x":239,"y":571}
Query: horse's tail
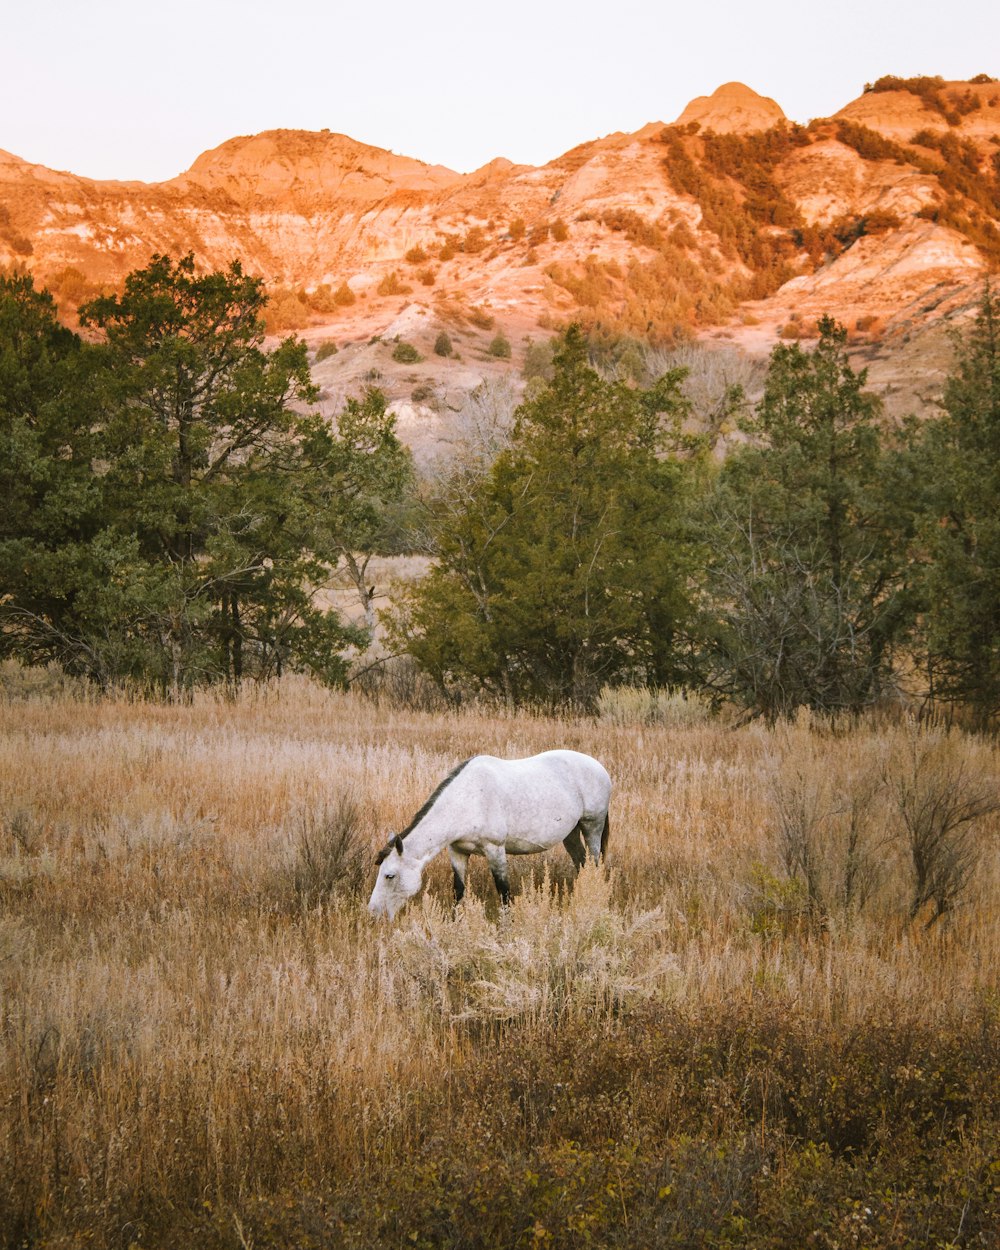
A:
{"x":605,"y":833}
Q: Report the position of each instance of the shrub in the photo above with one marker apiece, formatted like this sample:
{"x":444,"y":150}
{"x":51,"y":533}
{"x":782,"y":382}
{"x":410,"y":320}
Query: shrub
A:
{"x":827,"y":825}
{"x":416,"y":255}
{"x":326,"y":350}
{"x":344,"y":296}
{"x":331,"y":854}
{"x":481,"y":319}
{"x":500,"y":347}
{"x":391,"y":284}
{"x":560,"y":231}
{"x":516,"y":229}
{"x":286,"y":310}
{"x":538,"y":361}
{"x":442,"y":345}
{"x":940,"y":801}
{"x":71,"y":286}
{"x":406,"y":354}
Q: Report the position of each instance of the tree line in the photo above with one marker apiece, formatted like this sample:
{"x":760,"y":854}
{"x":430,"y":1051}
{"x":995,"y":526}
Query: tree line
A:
{"x":172,"y":501}
{"x":832,"y":558}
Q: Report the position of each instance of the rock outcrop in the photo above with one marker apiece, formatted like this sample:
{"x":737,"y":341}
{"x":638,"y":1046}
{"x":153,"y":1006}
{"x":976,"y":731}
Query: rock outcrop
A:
{"x":732,"y":109}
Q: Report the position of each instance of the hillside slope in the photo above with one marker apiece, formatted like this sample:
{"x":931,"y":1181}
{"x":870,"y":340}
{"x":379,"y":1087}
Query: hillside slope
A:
{"x":732,"y":222}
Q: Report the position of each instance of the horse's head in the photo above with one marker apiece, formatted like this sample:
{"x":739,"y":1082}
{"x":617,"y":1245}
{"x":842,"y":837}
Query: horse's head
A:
{"x":398,"y":879}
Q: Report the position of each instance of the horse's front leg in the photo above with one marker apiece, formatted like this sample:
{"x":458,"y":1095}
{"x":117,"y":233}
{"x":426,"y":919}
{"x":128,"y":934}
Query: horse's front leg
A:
{"x":496,"y":857}
{"x":459,"y":868}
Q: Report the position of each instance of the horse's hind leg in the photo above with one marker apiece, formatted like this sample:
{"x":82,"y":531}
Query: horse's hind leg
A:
{"x":574,"y":844}
{"x":459,"y":867}
{"x":496,"y":857}
{"x":593,"y":828}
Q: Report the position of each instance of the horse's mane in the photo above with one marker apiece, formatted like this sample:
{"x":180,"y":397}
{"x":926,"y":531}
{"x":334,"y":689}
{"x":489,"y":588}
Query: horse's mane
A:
{"x":425,"y":809}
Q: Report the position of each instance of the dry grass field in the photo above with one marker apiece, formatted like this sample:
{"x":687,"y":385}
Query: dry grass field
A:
{"x":205,"y":1041}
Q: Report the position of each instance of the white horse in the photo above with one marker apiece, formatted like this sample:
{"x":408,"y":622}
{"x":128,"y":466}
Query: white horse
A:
{"x":496,"y":808}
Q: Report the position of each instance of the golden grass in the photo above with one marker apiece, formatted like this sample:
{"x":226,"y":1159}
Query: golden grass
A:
{"x":183,"y":1026}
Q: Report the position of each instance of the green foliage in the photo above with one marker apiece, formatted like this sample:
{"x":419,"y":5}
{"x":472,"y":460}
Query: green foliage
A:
{"x":442,"y":344}
{"x":805,"y":590}
{"x":500,"y":347}
{"x":325,"y":351}
{"x":959,"y":544}
{"x":405,"y":353}
{"x":172,"y":510}
{"x":559,"y":568}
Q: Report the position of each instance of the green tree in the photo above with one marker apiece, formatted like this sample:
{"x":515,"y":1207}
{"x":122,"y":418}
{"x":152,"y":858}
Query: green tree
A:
{"x":50,"y":506}
{"x":804,"y":595}
{"x":563,"y":565}
{"x":204,"y":504}
{"x":959,"y":538}
{"x":361,"y":491}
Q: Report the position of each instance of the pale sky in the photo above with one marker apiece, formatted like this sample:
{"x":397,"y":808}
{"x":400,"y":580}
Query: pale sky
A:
{"x":132,"y":89}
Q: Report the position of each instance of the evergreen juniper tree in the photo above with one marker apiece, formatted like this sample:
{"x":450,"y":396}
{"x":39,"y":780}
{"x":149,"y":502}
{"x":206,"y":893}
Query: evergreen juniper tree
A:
{"x":959,"y":539}
{"x":564,"y":566}
{"x":804,"y":595}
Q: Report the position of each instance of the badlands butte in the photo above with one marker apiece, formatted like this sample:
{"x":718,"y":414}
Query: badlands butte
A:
{"x":732,"y":225}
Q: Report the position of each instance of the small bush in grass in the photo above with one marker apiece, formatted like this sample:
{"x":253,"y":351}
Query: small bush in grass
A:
{"x":344,"y":296}
{"x":500,"y":347}
{"x":416,"y":255}
{"x":332,"y":856}
{"x":326,"y":350}
{"x":516,"y":229}
{"x":405,"y":353}
{"x":940,"y":797}
{"x":442,"y":345}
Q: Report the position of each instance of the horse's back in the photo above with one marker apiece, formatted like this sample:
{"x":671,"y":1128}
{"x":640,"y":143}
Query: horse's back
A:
{"x":571,"y":773}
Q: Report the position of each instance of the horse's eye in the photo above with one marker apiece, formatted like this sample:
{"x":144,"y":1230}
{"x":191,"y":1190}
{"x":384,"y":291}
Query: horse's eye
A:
{"x":390,"y":876}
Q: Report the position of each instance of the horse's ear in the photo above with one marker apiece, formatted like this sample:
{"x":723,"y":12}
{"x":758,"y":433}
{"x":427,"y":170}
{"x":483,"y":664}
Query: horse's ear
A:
{"x":397,"y":842}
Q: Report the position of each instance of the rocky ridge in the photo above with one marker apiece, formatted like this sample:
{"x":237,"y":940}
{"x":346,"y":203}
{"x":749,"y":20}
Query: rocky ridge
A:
{"x":730,"y":223}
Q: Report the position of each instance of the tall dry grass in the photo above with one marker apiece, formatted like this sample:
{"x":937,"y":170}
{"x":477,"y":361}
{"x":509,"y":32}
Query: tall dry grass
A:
{"x":205,"y":1040}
